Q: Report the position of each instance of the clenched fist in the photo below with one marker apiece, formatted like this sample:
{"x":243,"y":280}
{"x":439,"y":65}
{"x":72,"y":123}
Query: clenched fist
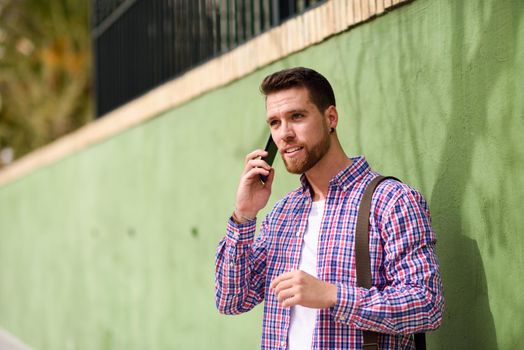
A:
{"x":300,"y":288}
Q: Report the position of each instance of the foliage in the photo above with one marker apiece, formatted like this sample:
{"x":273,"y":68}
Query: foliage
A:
{"x":45,"y":64}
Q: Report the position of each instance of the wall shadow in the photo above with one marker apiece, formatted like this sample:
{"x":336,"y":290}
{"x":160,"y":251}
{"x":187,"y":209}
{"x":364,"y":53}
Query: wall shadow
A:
{"x":481,"y":35}
{"x":468,"y":321}
{"x":455,"y":61}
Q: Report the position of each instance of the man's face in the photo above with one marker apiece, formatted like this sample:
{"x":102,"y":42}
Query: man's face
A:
{"x":299,"y":129}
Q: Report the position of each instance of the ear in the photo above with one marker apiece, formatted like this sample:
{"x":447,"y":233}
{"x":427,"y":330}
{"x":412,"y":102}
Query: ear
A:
{"x":331,"y":116}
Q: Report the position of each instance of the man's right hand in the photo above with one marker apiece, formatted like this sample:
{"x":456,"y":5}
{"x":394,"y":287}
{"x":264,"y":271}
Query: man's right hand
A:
{"x":252,"y":193}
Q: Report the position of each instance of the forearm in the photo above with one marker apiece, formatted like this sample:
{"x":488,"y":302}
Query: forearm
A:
{"x":237,"y":270}
{"x":401,"y":310}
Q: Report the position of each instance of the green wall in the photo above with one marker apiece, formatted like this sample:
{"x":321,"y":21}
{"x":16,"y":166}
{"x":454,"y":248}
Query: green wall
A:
{"x":113,"y":247}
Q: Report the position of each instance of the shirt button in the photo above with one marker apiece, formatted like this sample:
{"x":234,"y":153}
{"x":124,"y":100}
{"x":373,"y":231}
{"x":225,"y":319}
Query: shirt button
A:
{"x":283,"y":344}
{"x":343,"y":318}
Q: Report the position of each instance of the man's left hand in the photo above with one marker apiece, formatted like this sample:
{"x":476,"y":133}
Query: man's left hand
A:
{"x":300,"y":288}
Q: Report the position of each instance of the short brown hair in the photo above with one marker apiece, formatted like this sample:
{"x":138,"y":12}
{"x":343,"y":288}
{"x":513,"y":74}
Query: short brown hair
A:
{"x":320,"y":91}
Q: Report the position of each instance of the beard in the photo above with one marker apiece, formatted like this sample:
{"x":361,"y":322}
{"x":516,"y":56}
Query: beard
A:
{"x":312,"y":156}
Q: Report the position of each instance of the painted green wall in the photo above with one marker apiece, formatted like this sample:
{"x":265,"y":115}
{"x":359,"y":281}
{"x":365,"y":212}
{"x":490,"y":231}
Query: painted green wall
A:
{"x":113,"y":247}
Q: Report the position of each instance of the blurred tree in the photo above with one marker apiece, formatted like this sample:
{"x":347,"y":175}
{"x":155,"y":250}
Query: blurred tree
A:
{"x":45,"y":72}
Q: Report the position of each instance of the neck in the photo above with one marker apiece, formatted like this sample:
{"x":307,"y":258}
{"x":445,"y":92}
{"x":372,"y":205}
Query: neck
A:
{"x":333,"y":162}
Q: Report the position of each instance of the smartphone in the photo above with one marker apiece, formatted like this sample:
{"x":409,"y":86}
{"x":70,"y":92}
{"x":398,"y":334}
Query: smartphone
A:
{"x":271,"y":149}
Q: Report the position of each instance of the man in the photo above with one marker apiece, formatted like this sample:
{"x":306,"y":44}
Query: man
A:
{"x":302,"y":263}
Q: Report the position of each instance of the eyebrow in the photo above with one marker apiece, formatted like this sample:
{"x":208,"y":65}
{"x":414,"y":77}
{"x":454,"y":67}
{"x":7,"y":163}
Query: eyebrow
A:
{"x":295,"y":111}
{"x":291,"y":112}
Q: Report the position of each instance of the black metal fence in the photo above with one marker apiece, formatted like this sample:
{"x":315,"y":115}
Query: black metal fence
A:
{"x":140,"y":44}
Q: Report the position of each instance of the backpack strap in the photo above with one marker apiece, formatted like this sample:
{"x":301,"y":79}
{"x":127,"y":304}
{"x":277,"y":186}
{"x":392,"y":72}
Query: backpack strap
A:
{"x":362,"y":259}
{"x":362,"y":234}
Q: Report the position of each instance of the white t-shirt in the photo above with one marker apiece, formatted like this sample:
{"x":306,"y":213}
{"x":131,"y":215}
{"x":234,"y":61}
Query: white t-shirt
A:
{"x":303,"y":319}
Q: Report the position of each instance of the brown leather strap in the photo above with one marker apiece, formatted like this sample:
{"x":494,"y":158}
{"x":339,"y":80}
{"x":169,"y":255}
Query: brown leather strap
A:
{"x":362,"y":251}
{"x":370,"y":346}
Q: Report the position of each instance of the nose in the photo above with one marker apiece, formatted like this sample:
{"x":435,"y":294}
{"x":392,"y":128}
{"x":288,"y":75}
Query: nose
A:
{"x":286,"y":132}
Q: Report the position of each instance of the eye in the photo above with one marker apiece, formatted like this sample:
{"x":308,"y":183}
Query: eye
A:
{"x":273,"y":123}
{"x":297,"y":116}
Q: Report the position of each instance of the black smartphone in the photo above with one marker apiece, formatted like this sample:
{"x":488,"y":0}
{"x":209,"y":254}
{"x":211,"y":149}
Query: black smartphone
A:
{"x":271,"y":149}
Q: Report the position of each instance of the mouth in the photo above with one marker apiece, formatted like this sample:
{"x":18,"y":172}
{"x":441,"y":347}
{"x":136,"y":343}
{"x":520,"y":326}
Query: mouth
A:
{"x":292,"y":150}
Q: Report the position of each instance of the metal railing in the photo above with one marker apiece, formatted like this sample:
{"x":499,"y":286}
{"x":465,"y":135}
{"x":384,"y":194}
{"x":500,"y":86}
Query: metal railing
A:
{"x":140,"y":44}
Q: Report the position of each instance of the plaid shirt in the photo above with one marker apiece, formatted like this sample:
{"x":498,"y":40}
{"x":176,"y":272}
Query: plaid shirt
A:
{"x":406,"y":296}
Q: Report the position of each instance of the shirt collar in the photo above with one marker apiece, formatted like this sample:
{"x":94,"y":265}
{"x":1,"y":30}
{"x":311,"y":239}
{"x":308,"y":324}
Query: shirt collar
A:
{"x":344,"y":179}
